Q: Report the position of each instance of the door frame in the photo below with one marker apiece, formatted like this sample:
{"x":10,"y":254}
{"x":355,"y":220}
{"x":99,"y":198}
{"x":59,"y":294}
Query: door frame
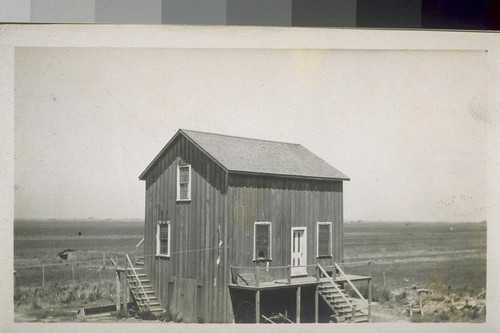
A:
{"x":303,"y":246}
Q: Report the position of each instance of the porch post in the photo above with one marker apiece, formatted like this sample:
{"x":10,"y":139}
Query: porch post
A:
{"x":126,"y":294}
{"x":316,"y":300}
{"x":297,"y":299}
{"x":257,"y":276}
{"x":369,"y":299}
{"x":257,"y":306}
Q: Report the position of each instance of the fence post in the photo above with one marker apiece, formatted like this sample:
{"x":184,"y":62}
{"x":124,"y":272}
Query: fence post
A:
{"x":43,"y":276}
{"x":73,"y":272}
{"x":369,"y":299}
{"x":117,"y":290}
{"x":104,"y":259}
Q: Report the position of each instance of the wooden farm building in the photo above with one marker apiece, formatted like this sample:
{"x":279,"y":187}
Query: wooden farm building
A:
{"x":244,"y":230}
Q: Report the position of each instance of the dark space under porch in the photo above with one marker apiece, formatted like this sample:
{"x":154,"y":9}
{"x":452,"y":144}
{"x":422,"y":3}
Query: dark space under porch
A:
{"x":276,"y":301}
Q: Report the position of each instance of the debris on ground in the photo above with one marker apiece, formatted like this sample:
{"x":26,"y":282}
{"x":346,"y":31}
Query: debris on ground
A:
{"x":421,"y":301}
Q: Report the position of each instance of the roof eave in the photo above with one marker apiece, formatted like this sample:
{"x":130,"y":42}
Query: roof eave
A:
{"x":239,"y":172}
{"x":142,"y":176}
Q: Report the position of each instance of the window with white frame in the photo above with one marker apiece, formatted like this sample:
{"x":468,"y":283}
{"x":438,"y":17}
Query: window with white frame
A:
{"x":324,"y":239}
{"x":163,"y":238}
{"x":183,"y":182}
{"x":262,"y":241}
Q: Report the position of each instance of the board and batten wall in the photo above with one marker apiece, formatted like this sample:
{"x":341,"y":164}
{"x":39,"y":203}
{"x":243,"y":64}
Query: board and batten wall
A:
{"x":286,"y":203}
{"x":197,"y":227}
{"x":222,"y":211}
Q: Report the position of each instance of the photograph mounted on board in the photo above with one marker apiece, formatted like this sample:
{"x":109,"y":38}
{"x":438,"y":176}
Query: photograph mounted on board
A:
{"x":202,"y":182}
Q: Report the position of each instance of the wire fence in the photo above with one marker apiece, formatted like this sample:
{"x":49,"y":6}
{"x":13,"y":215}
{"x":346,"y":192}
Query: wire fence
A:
{"x":80,"y":267}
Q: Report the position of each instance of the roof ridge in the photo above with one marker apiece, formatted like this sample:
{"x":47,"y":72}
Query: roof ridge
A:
{"x":239,"y":137}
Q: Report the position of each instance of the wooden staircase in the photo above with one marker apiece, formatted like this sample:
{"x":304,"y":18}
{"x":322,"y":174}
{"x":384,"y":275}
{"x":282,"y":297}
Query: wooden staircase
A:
{"x":344,"y":308}
{"x":141,"y":288}
{"x":342,"y":305}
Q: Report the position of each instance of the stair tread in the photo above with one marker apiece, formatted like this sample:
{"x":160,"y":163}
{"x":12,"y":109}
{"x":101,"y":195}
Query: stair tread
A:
{"x":150,"y":304}
{"x":147,"y":292}
{"x":339,"y":296}
{"x":143,"y":286}
{"x":331,"y":289}
{"x":138,"y":275}
{"x":340,"y":306}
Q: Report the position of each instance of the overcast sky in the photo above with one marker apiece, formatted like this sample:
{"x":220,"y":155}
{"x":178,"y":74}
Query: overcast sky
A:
{"x":408,"y":128}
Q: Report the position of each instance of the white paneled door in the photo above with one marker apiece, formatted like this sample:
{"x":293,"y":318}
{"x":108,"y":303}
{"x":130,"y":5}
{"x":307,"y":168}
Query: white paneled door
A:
{"x":299,"y":247}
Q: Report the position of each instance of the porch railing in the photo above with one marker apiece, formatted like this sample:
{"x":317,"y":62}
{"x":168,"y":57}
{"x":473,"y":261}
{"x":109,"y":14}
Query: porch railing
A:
{"x":254,"y":276}
{"x":335,"y":285}
{"x":350,"y":283}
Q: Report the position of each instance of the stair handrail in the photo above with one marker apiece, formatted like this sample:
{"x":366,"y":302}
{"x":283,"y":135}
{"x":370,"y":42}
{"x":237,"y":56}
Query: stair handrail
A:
{"x":138,"y":281}
{"x":334,"y":284}
{"x":350,"y":283}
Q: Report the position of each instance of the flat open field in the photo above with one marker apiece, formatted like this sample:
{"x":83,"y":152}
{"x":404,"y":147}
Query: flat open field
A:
{"x":85,"y":279}
{"x":447,"y":257}
{"x":420,"y":253}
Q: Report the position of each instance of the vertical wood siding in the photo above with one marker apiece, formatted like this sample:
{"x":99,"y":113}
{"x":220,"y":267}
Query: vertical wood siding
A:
{"x":195,"y":227}
{"x":286,"y":203}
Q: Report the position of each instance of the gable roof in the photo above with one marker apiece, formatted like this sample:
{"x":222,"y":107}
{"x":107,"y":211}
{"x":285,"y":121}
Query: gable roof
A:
{"x":253,"y":156}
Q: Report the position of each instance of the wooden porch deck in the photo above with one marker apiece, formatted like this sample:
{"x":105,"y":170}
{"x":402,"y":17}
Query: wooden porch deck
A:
{"x":298,"y":282}
{"x":259,"y":279}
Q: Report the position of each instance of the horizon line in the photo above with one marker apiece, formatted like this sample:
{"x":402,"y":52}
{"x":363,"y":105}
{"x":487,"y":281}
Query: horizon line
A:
{"x":138,"y":219}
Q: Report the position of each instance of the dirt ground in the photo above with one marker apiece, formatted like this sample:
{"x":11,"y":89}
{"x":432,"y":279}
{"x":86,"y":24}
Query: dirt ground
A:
{"x":388,"y":313}
{"x":380,"y":313}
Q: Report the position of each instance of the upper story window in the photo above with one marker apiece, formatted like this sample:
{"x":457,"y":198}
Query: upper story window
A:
{"x":262,"y":241}
{"x":324,"y":239}
{"x":163,"y":239}
{"x":184,"y":182}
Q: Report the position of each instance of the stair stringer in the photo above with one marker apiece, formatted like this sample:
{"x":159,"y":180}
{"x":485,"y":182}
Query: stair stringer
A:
{"x":342,"y":310}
